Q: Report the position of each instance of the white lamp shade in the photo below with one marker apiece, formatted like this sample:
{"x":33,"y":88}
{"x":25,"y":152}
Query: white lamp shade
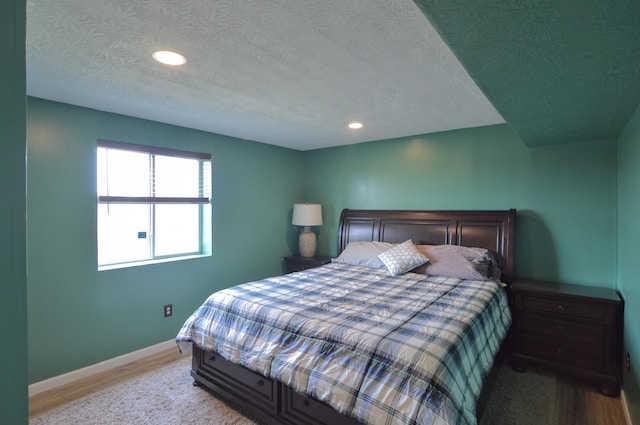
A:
{"x":307,"y":215}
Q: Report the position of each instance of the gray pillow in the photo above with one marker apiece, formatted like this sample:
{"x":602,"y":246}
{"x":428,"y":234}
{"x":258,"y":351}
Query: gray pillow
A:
{"x":462,"y":262}
{"x":363,"y":253}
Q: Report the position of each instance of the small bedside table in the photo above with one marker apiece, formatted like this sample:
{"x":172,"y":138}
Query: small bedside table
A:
{"x":570,"y":329}
{"x":296,"y":263}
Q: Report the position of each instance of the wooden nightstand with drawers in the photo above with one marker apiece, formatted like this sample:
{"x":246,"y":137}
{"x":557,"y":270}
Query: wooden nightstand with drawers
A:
{"x":296,"y":264}
{"x":570,"y":329}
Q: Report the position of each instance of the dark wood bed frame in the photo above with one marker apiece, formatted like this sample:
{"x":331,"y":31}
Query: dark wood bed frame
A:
{"x":271,"y":402}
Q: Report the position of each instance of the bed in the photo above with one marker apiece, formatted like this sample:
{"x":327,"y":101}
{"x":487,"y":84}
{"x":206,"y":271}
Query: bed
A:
{"x":349,"y":343}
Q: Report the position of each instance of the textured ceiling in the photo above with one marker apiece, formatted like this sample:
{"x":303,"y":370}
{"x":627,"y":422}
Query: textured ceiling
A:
{"x":294,"y":73}
{"x":288,"y":73}
{"x":558,"y":71}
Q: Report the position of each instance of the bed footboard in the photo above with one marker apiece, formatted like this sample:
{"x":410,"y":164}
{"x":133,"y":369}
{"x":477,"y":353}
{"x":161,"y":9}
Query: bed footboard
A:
{"x":269,"y":401}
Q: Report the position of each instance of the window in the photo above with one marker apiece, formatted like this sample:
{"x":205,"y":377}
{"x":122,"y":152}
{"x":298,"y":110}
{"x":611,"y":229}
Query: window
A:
{"x":153,"y":204}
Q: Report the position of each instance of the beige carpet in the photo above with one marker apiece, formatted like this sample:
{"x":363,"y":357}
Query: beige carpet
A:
{"x":167,"y":396}
{"x":164,"y":396}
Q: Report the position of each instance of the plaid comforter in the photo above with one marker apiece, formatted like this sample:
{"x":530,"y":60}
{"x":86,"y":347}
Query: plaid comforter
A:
{"x":410,"y":349}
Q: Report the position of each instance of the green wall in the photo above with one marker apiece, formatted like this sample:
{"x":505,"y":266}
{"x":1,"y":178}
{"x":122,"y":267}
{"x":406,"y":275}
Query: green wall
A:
{"x":565,"y":195}
{"x":13,"y":279}
{"x":628,"y":264}
{"x":79,"y":316}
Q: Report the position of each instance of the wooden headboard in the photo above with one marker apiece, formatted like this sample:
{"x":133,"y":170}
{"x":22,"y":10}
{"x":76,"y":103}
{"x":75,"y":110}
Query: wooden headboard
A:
{"x":493,"y":230}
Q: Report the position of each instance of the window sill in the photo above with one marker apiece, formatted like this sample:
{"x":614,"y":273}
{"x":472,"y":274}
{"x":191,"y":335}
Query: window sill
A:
{"x":148,"y":262}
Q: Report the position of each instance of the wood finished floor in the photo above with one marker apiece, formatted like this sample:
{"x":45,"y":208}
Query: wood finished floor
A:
{"x":576,"y":403}
{"x":579,"y":403}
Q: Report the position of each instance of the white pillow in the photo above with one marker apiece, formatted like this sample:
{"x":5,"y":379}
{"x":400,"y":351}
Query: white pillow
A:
{"x":363,"y":253}
{"x":402,"y":258}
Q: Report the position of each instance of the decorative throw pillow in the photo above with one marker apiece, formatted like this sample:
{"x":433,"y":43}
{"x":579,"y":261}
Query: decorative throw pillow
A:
{"x":402,"y":258}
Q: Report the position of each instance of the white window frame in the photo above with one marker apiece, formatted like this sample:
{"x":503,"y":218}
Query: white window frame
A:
{"x":204,"y":200}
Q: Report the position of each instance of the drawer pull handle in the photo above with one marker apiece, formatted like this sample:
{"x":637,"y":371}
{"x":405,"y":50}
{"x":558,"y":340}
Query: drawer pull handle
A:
{"x":559,"y":350}
{"x":212,"y":358}
{"x":260,"y":383}
{"x":306,"y":403}
{"x":560,"y":307}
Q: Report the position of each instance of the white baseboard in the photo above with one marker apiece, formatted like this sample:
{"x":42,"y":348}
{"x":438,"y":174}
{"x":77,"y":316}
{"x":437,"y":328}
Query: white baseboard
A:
{"x":625,"y":407}
{"x":75,"y":375}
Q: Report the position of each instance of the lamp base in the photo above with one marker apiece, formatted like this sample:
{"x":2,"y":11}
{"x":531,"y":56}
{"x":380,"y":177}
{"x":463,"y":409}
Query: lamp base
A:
{"x":307,"y":243}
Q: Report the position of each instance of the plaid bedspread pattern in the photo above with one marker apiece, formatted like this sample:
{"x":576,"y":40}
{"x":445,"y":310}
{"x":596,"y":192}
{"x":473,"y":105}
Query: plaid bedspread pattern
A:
{"x":409,"y":349}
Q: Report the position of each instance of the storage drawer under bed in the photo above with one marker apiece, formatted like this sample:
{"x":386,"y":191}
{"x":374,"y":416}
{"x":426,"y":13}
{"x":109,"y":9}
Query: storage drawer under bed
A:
{"x":237,"y":380}
{"x":301,"y":409}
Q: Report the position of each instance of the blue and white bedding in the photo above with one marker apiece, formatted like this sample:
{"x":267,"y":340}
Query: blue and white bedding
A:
{"x":410,"y":349}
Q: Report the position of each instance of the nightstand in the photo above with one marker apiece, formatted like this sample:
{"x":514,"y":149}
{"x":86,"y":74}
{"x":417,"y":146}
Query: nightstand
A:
{"x":570,"y":329}
{"x":296,"y":263}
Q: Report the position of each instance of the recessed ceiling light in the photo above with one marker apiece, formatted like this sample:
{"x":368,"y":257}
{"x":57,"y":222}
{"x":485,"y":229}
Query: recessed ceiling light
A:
{"x":169,"y":58}
{"x":355,"y":125}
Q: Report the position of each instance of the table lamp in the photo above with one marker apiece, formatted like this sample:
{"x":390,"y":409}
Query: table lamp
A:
{"x":307,"y":215}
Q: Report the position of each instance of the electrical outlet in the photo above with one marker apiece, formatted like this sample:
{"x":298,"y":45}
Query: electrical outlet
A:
{"x":168,"y":310}
{"x":628,"y":362}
